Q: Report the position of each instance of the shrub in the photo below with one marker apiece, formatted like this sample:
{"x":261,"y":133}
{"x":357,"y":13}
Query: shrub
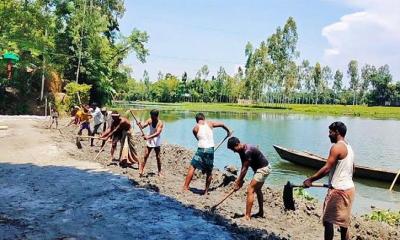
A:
{"x":387,"y":216}
{"x":302,"y":193}
{"x":77,"y":93}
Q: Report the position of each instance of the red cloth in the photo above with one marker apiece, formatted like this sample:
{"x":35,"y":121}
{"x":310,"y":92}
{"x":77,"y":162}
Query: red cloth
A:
{"x":337,"y":206}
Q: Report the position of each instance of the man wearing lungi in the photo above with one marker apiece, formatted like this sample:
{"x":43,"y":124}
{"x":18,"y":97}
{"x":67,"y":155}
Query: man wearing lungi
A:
{"x":340,"y":196}
{"x":120,"y":130}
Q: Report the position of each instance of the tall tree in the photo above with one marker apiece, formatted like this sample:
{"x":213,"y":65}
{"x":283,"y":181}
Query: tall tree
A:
{"x":352,"y":72}
{"x":305,"y":82}
{"x":282,"y":49}
{"x":327,"y":78}
{"x":204,"y":72}
{"x":338,"y":83}
{"x":317,"y":78}
{"x":380,"y":83}
{"x":184,"y":77}
{"x":367,"y":73}
{"x":146,"y":81}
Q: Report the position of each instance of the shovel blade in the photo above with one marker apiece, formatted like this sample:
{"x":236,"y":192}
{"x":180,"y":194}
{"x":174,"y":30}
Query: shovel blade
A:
{"x":78,"y":143}
{"x":288,"y":200}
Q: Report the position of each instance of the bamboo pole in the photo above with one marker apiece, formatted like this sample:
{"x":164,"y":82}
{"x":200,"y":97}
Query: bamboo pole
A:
{"x":394,"y":181}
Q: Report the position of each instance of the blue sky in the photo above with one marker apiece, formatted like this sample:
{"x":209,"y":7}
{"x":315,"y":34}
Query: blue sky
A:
{"x":184,"y":35}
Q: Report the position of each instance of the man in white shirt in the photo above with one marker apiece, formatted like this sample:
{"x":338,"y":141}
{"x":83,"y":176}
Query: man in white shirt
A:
{"x":98,"y":120}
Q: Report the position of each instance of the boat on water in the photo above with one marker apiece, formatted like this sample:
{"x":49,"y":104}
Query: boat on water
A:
{"x":316,"y":162}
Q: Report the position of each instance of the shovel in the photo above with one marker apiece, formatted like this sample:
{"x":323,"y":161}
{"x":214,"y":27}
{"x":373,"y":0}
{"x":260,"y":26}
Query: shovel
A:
{"x":288,"y":200}
{"x":78,"y":140}
{"x":80,"y":136}
{"x":101,"y":149}
{"x":222,"y":200}
{"x":223,"y":140}
{"x":134,"y":117}
{"x":78,"y":143}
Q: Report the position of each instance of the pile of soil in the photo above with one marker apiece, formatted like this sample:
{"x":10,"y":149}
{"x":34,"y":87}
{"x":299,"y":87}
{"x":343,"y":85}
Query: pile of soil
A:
{"x":304,"y":223}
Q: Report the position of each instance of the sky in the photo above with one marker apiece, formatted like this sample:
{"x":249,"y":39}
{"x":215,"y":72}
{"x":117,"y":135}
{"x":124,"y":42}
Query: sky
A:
{"x":187,"y":34}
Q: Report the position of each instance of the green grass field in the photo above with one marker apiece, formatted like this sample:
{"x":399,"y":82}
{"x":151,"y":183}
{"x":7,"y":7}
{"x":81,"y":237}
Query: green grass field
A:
{"x":334,"y":110}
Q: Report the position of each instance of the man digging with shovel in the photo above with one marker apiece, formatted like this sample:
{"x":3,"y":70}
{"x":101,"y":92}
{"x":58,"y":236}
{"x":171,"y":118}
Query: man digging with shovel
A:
{"x":153,"y":140}
{"x":204,"y":157}
{"x":340,"y":196}
{"x":251,"y":157}
{"x":120,"y":130}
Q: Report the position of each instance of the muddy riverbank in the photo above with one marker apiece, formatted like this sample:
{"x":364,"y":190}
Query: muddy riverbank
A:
{"x":304,"y":223}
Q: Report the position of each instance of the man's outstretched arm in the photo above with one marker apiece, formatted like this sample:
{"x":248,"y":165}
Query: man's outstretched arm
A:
{"x":333,"y":156}
{"x":222,"y":125}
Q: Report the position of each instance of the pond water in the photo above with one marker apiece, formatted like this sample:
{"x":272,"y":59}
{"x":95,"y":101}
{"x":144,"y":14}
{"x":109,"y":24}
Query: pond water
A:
{"x":375,"y":142}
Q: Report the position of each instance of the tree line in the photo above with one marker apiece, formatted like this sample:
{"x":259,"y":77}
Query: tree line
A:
{"x":64,"y":41}
{"x":273,"y":73}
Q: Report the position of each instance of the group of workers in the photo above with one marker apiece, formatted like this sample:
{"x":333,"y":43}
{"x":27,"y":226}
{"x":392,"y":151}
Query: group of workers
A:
{"x":339,"y":165}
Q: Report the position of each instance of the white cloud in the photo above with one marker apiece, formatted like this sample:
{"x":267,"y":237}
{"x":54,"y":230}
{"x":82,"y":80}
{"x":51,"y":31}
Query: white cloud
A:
{"x":331,"y":51}
{"x":371,"y":35}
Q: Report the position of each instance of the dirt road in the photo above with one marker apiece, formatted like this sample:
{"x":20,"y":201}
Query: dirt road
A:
{"x":47,"y":194}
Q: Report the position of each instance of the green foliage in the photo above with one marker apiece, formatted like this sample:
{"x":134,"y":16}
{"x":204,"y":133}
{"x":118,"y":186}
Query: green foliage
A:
{"x":352,"y":72}
{"x":77,"y":39}
{"x":337,"y":84}
{"x":387,"y":216}
{"x":302,"y":193}
{"x":317,"y":80}
{"x":77,"y":91}
{"x":62,"y":107}
{"x":380,"y":80}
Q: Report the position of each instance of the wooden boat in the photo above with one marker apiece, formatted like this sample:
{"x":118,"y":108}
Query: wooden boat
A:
{"x":314,"y":161}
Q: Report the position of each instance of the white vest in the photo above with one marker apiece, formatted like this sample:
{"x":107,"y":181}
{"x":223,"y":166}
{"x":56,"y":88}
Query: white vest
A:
{"x":341,"y":175}
{"x":205,"y":136}
{"x":156,"y":141}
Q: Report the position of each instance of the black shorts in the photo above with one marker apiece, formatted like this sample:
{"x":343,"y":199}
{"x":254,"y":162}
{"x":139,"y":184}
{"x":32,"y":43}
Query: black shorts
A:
{"x":96,"y":128}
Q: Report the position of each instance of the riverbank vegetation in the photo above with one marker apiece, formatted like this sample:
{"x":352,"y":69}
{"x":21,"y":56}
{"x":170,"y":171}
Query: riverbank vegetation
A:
{"x":390,"y":217}
{"x":312,"y":109}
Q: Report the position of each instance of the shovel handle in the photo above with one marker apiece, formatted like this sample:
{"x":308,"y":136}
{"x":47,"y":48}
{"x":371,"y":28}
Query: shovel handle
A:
{"x":320,"y":185}
{"x":223,"y":199}
{"x":81,"y":136}
{"x":223,"y":140}
{"x":133,"y":115}
{"x":101,"y":149}
{"x":313,"y":185}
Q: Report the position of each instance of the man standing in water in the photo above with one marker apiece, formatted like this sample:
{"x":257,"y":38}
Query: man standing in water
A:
{"x":252,"y":157}
{"x":153,"y":140}
{"x":340,"y":196}
{"x":204,"y":157}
